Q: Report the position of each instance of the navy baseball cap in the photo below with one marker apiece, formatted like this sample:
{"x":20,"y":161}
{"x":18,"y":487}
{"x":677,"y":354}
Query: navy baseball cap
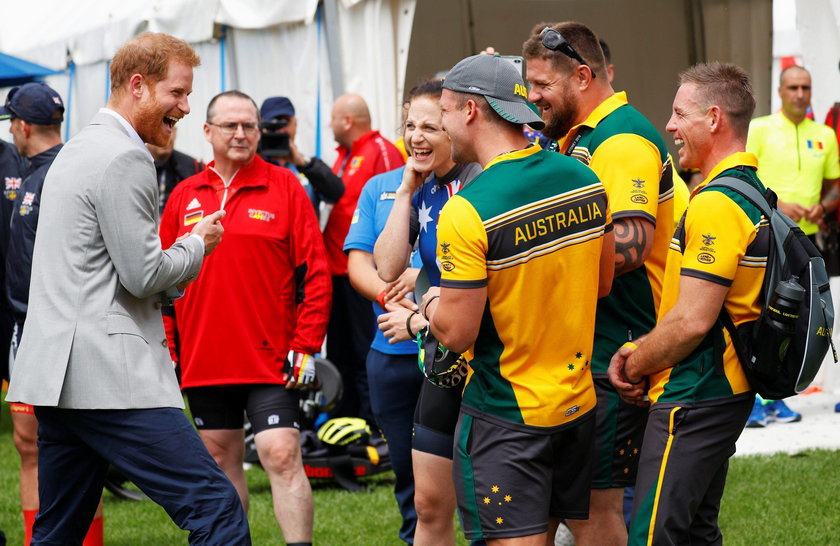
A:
{"x":499,"y":82}
{"x":36,"y":103}
{"x":275,"y":107}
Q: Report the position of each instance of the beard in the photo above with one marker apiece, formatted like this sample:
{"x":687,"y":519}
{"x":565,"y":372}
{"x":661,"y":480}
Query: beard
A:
{"x":562,"y":116}
{"x":149,"y":122}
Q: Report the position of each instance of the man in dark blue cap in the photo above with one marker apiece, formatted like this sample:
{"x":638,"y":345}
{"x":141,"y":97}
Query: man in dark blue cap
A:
{"x":279,"y":127}
{"x":36,"y":112}
{"x":12,"y":167}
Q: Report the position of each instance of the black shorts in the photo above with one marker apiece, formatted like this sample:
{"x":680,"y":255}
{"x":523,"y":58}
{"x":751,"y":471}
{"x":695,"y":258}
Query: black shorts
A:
{"x":435,"y":419}
{"x":511,"y":478}
{"x":683,"y":467}
{"x":223,"y":407}
{"x":619,"y":430}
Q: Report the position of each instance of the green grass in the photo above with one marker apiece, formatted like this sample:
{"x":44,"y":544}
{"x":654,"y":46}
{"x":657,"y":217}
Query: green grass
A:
{"x":779,"y":500}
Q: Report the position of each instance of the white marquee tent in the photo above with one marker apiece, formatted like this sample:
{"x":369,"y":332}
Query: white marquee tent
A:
{"x":262,"y":47}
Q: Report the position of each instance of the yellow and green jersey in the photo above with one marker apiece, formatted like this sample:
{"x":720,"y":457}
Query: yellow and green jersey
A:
{"x":793,"y":160}
{"x":724,"y":239}
{"x":631,"y":160}
{"x":530,"y":228}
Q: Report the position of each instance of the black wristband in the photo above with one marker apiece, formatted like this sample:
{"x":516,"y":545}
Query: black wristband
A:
{"x":426,"y":308}
{"x":408,"y":324}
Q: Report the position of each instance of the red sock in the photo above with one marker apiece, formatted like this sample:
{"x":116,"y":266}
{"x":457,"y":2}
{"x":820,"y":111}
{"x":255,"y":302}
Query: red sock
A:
{"x":94,"y":535}
{"x":28,"y":520}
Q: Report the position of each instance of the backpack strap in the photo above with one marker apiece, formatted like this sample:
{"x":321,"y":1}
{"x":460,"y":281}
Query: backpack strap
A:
{"x":759,"y":200}
{"x":745,"y":190}
{"x":737,"y":342}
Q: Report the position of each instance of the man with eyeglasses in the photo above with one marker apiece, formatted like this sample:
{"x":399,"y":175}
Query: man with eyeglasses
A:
{"x":592,"y":123}
{"x":250,"y":323}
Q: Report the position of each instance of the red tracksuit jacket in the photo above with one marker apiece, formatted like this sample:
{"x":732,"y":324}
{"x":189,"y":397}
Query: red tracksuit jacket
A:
{"x":265,"y":290}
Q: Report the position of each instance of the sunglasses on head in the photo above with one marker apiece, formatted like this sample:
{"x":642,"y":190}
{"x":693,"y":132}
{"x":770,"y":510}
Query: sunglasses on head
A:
{"x":554,"y":41}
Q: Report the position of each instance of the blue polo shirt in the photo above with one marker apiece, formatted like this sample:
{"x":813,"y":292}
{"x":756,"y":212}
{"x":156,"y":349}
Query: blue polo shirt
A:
{"x":372,"y":210}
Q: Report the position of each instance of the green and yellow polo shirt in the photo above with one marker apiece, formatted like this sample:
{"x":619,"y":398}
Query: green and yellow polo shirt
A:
{"x":530,"y":228}
{"x":724,"y":239}
{"x":631,"y":160}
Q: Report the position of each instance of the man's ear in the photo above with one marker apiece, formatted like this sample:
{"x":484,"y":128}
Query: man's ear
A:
{"x":715,"y":119}
{"x":584,"y":75}
{"x":137,"y":84}
{"x":471,"y":110}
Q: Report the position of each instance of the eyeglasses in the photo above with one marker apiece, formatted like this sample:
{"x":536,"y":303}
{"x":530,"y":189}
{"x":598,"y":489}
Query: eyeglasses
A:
{"x":230,"y":127}
{"x":554,"y":41}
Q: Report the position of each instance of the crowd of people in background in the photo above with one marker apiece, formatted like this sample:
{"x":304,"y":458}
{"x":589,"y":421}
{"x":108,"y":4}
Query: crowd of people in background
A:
{"x":521,"y":297}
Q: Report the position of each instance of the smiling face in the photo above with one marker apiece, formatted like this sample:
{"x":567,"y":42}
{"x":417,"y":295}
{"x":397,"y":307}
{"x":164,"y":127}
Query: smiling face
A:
{"x":690,"y":125}
{"x":236,"y":149}
{"x":454,"y":122}
{"x":553,"y":94}
{"x":429,"y":144}
{"x":163,"y":104}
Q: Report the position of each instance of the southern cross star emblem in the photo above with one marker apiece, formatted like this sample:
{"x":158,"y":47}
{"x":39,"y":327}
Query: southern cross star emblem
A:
{"x":425,"y":216}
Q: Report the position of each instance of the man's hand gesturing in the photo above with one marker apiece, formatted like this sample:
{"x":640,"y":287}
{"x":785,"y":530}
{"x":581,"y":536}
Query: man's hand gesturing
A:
{"x":210,"y":229}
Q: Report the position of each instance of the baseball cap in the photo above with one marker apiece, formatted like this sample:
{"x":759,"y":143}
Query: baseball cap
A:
{"x":274,"y":107}
{"x":499,"y":82}
{"x":36,"y":103}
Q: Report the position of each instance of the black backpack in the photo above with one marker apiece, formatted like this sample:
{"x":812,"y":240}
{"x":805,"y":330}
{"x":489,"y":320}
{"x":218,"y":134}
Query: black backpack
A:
{"x":778,"y":363}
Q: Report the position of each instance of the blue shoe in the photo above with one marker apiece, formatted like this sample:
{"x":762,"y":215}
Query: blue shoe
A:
{"x":837,"y":408}
{"x":778,"y":411}
{"x":758,"y":416}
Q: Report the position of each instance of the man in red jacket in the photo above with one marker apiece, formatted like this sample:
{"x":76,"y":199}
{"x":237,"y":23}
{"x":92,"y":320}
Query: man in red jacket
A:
{"x":250,"y":323}
{"x":362,"y":153}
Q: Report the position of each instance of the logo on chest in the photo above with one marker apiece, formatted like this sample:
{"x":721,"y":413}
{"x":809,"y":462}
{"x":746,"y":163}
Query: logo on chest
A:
{"x":191,"y":218}
{"x":27,"y":204}
{"x":258,"y":214}
{"x":355,"y":163}
{"x":11,"y":187}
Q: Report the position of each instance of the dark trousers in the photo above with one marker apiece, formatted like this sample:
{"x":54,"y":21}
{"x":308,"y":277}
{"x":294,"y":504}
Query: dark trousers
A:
{"x":349,"y":335}
{"x":394,"y":387}
{"x":682,"y":471}
{"x":155,"y":448}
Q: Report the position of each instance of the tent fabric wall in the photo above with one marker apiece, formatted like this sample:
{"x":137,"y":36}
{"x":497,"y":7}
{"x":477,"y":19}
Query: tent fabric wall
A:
{"x":820,"y":18}
{"x":368,"y":38}
{"x":272,"y":48}
{"x":287,"y":60}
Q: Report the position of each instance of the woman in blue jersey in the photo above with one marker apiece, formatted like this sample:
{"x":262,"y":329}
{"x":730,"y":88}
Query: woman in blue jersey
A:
{"x":429,"y":180}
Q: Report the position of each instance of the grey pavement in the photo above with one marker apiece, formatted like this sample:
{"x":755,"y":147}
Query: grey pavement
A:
{"x":819,"y":428}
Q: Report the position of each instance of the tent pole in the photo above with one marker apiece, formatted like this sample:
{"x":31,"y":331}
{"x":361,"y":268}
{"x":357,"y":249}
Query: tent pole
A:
{"x":318,"y":85}
{"x":71,"y":74}
{"x":222,"y":60}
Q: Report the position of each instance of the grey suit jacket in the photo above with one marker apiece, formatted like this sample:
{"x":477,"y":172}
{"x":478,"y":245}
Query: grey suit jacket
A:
{"x":93,"y":338}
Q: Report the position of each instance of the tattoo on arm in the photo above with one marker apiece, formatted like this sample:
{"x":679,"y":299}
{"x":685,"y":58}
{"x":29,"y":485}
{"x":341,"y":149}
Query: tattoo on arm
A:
{"x":631,"y":241}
